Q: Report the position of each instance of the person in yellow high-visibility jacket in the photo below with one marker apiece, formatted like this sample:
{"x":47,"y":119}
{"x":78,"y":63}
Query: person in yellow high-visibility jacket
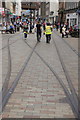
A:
{"x":48,"y":32}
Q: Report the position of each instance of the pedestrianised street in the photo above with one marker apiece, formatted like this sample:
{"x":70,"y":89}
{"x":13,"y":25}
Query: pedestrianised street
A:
{"x":35,"y":91}
{"x":39,"y":56}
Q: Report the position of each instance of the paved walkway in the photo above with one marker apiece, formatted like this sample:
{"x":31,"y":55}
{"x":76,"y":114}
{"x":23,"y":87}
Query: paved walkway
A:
{"x":71,"y":41}
{"x":38,"y":93}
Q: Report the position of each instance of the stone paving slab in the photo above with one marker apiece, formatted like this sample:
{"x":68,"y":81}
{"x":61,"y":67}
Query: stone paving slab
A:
{"x":38,"y":93}
{"x":70,"y":59}
{"x":71,"y":41}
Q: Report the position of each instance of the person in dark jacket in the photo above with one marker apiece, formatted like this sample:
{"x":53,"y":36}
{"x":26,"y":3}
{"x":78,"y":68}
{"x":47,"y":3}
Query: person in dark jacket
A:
{"x":18,"y":26}
{"x":39,"y":31}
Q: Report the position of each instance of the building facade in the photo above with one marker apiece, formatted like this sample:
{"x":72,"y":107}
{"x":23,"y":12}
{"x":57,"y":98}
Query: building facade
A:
{"x":0,"y":12}
{"x":71,"y":13}
{"x":18,"y":8}
{"x":68,"y":13}
{"x":43,"y":10}
{"x":61,"y":14}
{"x":52,"y":11}
{"x":11,"y":10}
{"x":53,"y":17}
{"x":47,"y":10}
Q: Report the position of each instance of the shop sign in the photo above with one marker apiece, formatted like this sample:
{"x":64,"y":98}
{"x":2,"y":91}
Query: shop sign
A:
{"x":1,"y":10}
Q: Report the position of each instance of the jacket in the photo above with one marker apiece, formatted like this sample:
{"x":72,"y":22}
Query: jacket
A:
{"x":48,"y":30}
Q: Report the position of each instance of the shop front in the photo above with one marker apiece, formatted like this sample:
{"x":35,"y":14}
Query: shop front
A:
{"x":72,"y":19}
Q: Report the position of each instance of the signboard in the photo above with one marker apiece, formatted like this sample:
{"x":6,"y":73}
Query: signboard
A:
{"x":1,"y":10}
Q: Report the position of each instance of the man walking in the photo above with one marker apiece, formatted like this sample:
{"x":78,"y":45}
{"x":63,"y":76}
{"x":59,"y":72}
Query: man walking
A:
{"x":48,"y":32}
{"x":25,"y":29}
{"x":39,"y":31}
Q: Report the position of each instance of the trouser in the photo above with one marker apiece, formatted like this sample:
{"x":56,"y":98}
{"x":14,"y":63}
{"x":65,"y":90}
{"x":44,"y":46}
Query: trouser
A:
{"x":25,"y":35}
{"x":18,"y":28}
{"x":11,"y":30}
{"x":15,"y":28}
{"x":48,"y":38}
{"x":38,"y":36}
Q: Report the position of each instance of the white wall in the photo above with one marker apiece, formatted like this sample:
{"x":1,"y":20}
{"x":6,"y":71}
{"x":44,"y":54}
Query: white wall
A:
{"x":18,"y":8}
{"x":72,"y":16}
{"x":54,"y":7}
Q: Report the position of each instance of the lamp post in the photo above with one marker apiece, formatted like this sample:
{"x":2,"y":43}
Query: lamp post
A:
{"x":30,"y":18}
{"x":61,"y":21}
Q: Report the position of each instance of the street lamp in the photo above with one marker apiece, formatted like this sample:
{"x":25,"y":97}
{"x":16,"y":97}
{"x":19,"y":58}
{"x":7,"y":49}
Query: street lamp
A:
{"x":61,"y":20}
{"x":30,"y":18}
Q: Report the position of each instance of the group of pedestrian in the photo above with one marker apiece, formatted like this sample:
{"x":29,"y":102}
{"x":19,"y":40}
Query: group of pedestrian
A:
{"x":10,"y":27}
{"x":47,"y":30}
{"x":38,"y":27}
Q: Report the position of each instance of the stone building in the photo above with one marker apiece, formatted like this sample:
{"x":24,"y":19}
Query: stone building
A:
{"x":47,"y":10}
{"x":68,"y":13}
{"x":43,"y":10}
{"x":52,"y":11}
{"x":0,"y":11}
{"x":61,"y":14}
{"x":53,"y":17}
{"x":71,"y":13}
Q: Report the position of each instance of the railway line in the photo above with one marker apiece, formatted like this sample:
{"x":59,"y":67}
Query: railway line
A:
{"x":71,"y":95}
{"x":9,"y":60}
{"x":72,"y":99}
{"x":75,"y":51}
{"x":10,"y":91}
{"x":12,"y":42}
{"x":7,"y":78}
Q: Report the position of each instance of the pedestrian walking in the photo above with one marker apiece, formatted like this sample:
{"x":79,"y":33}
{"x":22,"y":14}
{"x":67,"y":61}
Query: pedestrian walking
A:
{"x":25,"y":29}
{"x":57,"y":26}
{"x":11,"y":30}
{"x":39,"y":31}
{"x":64,"y":31}
{"x":44,"y":25}
{"x":48,"y":32}
{"x":18,"y":26}
{"x":15,"y":26}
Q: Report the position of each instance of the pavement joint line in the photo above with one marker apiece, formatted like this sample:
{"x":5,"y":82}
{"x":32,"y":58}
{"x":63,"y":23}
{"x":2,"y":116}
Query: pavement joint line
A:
{"x":73,"y":106}
{"x":10,"y":43}
{"x":10,"y":91}
{"x":72,"y":89}
{"x":76,"y":52}
{"x":26,"y":93}
{"x":9,"y":67}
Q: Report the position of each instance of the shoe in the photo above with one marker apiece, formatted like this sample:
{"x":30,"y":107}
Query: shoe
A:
{"x":48,"y":42}
{"x":38,"y":40}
